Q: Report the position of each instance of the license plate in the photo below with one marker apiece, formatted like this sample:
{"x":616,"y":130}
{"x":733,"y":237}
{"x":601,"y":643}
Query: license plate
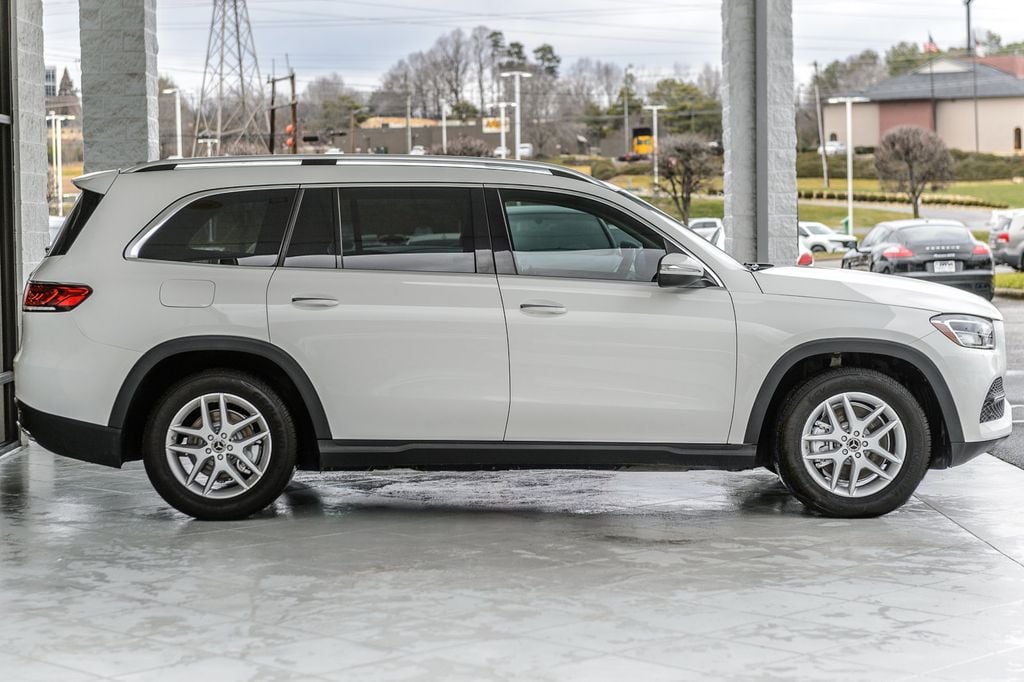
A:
{"x":945,"y":266}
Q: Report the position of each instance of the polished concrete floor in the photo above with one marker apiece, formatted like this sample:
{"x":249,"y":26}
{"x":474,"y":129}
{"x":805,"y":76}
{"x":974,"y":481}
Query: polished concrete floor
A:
{"x":530,"y":576}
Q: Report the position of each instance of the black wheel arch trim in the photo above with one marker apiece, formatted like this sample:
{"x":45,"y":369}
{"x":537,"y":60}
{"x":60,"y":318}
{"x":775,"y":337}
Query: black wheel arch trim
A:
{"x":922,"y":362}
{"x":240,"y":344}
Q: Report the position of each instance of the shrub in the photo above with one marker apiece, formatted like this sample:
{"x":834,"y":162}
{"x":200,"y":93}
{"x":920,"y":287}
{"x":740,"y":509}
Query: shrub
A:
{"x":603,"y":169}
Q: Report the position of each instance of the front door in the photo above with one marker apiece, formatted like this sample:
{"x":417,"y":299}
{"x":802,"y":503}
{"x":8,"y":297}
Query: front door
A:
{"x":598,"y":351}
{"x":400,"y":332}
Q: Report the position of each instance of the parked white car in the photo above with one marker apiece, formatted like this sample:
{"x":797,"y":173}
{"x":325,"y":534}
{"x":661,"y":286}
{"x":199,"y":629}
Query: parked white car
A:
{"x":820,"y":238}
{"x":833,"y":148}
{"x":226,"y":321}
{"x":804,"y":256}
{"x":418,"y":150}
{"x":712,"y":229}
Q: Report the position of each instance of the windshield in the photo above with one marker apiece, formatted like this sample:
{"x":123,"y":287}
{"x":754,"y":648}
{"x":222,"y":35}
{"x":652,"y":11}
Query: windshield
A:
{"x":948,"y":234}
{"x":816,"y":228}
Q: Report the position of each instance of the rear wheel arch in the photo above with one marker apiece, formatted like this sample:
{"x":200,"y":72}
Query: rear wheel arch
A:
{"x":908,"y":365}
{"x":170,"y":361}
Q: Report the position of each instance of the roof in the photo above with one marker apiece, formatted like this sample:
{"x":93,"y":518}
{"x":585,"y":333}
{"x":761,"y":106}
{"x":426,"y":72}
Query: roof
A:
{"x":921,"y":222}
{"x":947,"y":84}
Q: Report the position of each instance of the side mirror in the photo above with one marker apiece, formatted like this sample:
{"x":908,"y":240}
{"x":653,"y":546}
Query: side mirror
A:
{"x":679,"y":270}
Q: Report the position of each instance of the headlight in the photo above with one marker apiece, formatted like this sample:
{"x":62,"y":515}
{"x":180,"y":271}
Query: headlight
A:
{"x":968,"y":331}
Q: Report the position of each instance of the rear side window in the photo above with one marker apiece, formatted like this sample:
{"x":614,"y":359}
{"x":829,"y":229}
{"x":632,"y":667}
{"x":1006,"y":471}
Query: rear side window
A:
{"x":417,"y":229}
{"x":232,"y":228}
{"x":76,"y":220}
{"x":314,"y":240}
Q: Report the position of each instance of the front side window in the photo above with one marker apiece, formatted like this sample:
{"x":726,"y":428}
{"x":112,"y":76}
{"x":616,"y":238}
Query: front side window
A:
{"x":557,"y":235}
{"x":231,"y":228}
{"x":414,"y":229}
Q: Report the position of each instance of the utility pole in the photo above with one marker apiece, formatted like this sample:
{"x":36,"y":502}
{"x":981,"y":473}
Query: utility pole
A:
{"x":58,"y":160}
{"x":444,"y":126}
{"x":849,"y":102}
{"x":625,"y":110}
{"x":408,"y":123}
{"x":518,"y":76}
{"x":292,"y":104}
{"x":654,"y":109}
{"x":974,"y":73}
{"x":177,"y":113}
{"x":821,"y":128}
{"x":502,"y":126}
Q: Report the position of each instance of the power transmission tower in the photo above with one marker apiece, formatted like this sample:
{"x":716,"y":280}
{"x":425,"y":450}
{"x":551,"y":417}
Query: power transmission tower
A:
{"x":232,"y":108}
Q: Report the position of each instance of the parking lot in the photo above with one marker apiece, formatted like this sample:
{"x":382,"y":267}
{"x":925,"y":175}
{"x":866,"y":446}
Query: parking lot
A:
{"x":517,"y":575}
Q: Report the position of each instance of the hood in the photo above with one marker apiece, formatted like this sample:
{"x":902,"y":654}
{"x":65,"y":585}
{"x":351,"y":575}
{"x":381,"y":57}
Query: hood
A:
{"x":870,"y":287}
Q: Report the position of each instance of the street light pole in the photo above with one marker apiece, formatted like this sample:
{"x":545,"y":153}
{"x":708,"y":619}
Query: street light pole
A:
{"x":502,"y":126}
{"x":58,"y":160}
{"x":625,"y":111}
{"x":849,"y":101}
{"x":654,"y":109}
{"x":518,"y":76}
{"x":444,"y":126}
{"x":177,"y":113}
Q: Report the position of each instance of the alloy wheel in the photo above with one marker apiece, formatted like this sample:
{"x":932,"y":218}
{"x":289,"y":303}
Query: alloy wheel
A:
{"x":853,"y":444}
{"x":218,"y":445}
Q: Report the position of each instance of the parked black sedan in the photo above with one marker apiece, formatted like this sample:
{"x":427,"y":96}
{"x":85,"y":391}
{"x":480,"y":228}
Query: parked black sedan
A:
{"x":942,"y":251}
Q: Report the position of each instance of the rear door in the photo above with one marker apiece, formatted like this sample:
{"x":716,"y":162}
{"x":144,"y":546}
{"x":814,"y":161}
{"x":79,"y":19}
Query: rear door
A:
{"x":388,"y":299}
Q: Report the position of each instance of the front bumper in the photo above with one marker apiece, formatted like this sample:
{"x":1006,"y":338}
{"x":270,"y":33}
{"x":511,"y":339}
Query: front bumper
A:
{"x":72,"y":438}
{"x":961,"y":453}
{"x":976,"y":282}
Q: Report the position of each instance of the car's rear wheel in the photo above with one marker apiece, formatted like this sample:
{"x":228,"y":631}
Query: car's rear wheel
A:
{"x":220,"y":445}
{"x":853,"y":443}
{"x":818,"y":248}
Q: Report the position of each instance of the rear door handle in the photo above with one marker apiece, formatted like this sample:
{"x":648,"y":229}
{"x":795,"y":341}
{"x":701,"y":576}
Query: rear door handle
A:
{"x":543,"y":308}
{"x":313,"y":302}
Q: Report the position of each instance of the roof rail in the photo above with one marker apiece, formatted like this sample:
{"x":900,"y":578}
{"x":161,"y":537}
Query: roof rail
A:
{"x":360,"y":160}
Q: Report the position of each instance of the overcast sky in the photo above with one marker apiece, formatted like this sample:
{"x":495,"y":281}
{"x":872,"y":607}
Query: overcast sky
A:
{"x":360,"y":39}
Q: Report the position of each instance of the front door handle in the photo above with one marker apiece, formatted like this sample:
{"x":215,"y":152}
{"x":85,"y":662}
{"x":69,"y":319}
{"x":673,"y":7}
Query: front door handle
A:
{"x":543,"y":308}
{"x":313,"y":302}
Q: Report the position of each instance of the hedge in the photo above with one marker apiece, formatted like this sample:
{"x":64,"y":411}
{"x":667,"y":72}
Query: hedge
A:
{"x":967,"y":166}
{"x":900,"y":198}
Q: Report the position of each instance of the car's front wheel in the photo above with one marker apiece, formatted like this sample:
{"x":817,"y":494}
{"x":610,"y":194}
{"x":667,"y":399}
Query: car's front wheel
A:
{"x":220,"y":445}
{"x":853,"y":443}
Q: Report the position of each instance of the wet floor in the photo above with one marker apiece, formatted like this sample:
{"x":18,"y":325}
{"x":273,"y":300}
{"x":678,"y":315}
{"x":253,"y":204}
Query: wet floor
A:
{"x":511,"y":575}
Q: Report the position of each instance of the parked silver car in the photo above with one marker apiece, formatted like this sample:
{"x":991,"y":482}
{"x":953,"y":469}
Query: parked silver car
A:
{"x":1006,"y":237}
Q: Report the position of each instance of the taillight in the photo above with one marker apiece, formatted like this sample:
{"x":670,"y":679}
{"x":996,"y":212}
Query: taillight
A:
{"x":805,"y":259}
{"x":1003,"y":238}
{"x":898,"y":251}
{"x":981,"y":250}
{"x":47,"y":297}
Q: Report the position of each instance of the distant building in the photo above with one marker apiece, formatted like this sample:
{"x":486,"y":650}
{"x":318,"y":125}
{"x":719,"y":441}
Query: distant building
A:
{"x":50,"y":81}
{"x":940,"y":96}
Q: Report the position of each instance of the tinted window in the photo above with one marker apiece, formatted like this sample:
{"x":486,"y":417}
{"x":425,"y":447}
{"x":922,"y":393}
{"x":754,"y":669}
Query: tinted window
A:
{"x":314,"y":240}
{"x":873,"y":236}
{"x":233,"y":228}
{"x":938,"y":234}
{"x":561,"y":236}
{"x":407,"y":229}
{"x":76,"y":220}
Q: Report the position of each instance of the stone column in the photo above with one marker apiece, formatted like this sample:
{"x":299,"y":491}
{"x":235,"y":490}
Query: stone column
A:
{"x":29,"y":121}
{"x":119,"y":82}
{"x":759,"y":130}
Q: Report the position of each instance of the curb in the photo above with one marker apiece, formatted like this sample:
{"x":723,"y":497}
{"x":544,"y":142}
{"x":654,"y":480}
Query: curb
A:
{"x":1009,"y":293}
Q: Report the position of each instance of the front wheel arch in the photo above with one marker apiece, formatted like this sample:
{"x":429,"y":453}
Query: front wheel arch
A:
{"x":908,"y":364}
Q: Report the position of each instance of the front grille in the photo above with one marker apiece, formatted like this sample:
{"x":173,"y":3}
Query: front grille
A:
{"x":995,"y":402}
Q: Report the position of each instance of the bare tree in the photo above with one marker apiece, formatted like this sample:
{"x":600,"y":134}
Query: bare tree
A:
{"x":480,"y":50}
{"x":453,"y":58}
{"x":709,"y":80}
{"x":910,"y":159}
{"x":687,"y":166}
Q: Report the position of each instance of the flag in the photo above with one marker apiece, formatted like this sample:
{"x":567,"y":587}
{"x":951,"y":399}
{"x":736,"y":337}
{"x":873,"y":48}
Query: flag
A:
{"x":930,"y":47}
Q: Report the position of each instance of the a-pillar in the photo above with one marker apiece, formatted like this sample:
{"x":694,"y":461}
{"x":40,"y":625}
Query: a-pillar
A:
{"x":759,"y":130}
{"x":119,"y":82}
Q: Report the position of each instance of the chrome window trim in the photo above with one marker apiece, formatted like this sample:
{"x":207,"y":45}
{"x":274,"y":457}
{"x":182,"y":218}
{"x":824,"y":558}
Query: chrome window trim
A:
{"x":131,"y":252}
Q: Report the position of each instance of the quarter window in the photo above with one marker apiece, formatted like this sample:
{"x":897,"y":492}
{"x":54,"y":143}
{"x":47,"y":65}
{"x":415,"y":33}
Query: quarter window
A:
{"x":564,"y":236}
{"x":314,"y":240}
{"x":417,"y":229}
{"x":232,"y":228}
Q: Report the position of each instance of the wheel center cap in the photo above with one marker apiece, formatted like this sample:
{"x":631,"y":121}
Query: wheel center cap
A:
{"x":218,"y":446}
{"x":853,"y":444}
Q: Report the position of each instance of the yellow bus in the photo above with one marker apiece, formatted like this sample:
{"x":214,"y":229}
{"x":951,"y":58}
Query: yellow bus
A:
{"x":642,"y":141}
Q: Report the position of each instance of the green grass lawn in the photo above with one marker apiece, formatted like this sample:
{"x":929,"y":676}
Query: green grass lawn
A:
{"x":1010,"y":280}
{"x":1002,"y":191}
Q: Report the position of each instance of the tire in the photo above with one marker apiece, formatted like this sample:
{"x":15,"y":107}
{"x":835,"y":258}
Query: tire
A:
{"x":225,"y":487}
{"x":806,"y":467}
{"x":818,"y":248}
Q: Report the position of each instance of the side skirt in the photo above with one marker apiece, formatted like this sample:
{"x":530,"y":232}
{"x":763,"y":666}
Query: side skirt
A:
{"x":496,"y":455}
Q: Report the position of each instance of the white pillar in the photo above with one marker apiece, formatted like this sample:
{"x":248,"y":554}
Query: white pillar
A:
{"x":29,"y":123}
{"x":758,"y":130}
{"x":119,"y":82}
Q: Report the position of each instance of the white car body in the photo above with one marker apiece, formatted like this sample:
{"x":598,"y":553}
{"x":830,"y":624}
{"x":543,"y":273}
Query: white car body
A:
{"x":819,"y":237}
{"x":380,"y":357}
{"x":833,"y":148}
{"x":418,"y":150}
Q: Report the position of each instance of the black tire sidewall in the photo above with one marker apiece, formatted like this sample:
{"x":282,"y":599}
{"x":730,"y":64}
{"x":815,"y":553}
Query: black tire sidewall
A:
{"x":283,"y":453}
{"x":807,"y":397}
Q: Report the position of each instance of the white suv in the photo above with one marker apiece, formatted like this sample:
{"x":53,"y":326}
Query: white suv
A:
{"x":228,"y":321}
